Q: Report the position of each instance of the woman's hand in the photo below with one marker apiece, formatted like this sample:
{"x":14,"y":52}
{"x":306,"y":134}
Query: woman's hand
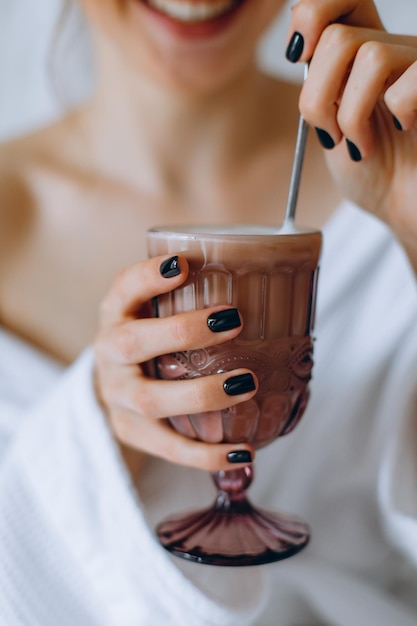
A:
{"x":361,"y":96}
{"x":136,"y":403}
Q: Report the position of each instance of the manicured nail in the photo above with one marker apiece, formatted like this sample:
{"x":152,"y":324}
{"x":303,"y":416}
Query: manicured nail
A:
{"x":295,"y":47}
{"x":397,"y":123}
{"x":354,"y":151}
{"x":239,"y":384}
{"x":239,"y":456}
{"x":223,"y":320}
{"x":170,"y":267}
{"x":325,"y":139}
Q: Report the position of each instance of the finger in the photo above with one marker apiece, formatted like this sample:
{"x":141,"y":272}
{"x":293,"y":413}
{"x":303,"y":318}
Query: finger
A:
{"x":148,"y":397}
{"x":349,"y":73}
{"x":158,"y":438}
{"x":376,"y":66}
{"x":139,"y":283}
{"x":401,"y":98}
{"x":309,"y":18}
{"x":327,"y":77}
{"x":138,"y":341}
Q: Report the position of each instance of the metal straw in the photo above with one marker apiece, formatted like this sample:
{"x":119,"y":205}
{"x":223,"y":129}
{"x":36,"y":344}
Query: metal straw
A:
{"x":297,"y":166}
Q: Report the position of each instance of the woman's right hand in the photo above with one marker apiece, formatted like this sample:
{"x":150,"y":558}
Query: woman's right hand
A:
{"x":136,"y":403}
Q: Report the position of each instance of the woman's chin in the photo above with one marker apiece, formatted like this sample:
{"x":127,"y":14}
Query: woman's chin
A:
{"x":190,"y":46}
{"x":194,"y":56}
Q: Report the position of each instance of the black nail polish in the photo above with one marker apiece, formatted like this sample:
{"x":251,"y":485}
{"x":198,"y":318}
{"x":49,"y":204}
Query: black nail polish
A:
{"x":223,"y":320}
{"x":325,"y":139}
{"x":295,"y":47}
{"x":397,"y":123}
{"x":170,"y":267}
{"x":239,"y":456}
{"x":354,"y":151}
{"x":239,"y":384}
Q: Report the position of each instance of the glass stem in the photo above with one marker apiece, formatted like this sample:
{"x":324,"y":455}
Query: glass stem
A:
{"x":232,"y":485}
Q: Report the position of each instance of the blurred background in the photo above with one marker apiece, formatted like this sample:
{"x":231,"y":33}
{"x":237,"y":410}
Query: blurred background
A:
{"x":41,"y":73}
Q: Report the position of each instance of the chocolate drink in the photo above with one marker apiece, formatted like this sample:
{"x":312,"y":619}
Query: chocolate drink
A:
{"x":271,"y":277}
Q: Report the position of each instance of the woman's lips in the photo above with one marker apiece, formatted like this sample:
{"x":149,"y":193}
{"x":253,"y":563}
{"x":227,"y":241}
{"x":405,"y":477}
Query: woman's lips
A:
{"x":195,"y":19}
{"x":191,"y":12}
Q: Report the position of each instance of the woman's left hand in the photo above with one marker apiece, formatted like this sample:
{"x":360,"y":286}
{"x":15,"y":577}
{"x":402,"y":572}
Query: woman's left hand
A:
{"x":361,"y":96}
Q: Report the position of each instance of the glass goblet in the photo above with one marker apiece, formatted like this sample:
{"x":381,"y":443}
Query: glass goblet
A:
{"x":270,"y":276}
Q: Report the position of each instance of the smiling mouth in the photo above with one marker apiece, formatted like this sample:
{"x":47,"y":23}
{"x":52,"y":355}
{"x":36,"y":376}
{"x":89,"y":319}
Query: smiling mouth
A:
{"x":193,"y":12}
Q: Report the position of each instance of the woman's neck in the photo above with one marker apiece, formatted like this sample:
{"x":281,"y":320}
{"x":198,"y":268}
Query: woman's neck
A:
{"x":165,"y":142}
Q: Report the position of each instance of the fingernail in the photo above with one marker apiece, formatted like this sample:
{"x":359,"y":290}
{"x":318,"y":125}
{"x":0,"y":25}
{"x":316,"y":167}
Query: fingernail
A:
{"x":239,"y":384}
{"x":354,"y":151}
{"x":170,"y":267}
{"x":295,"y":47}
{"x":239,"y":456}
{"x":325,"y":139}
{"x":223,"y":320}
{"x":397,"y":123}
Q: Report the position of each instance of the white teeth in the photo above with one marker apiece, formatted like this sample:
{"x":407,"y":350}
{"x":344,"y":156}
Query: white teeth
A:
{"x":196,"y":12}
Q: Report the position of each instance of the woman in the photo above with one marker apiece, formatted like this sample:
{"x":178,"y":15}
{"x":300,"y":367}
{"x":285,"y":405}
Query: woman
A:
{"x":184,"y":127}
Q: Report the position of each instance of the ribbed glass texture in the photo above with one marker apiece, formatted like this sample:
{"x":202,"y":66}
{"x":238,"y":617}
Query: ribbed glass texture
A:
{"x":271,"y":278}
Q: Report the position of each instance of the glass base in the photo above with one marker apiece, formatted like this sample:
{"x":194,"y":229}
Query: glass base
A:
{"x":234,"y":533}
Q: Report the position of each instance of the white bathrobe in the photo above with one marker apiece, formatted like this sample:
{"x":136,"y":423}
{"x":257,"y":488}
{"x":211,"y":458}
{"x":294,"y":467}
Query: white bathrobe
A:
{"x":77,"y":546}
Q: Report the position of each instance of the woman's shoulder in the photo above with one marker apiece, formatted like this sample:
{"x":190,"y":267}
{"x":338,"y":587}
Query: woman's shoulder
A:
{"x":43,"y":148}
{"x":15,"y":194}
{"x":28,"y":165}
